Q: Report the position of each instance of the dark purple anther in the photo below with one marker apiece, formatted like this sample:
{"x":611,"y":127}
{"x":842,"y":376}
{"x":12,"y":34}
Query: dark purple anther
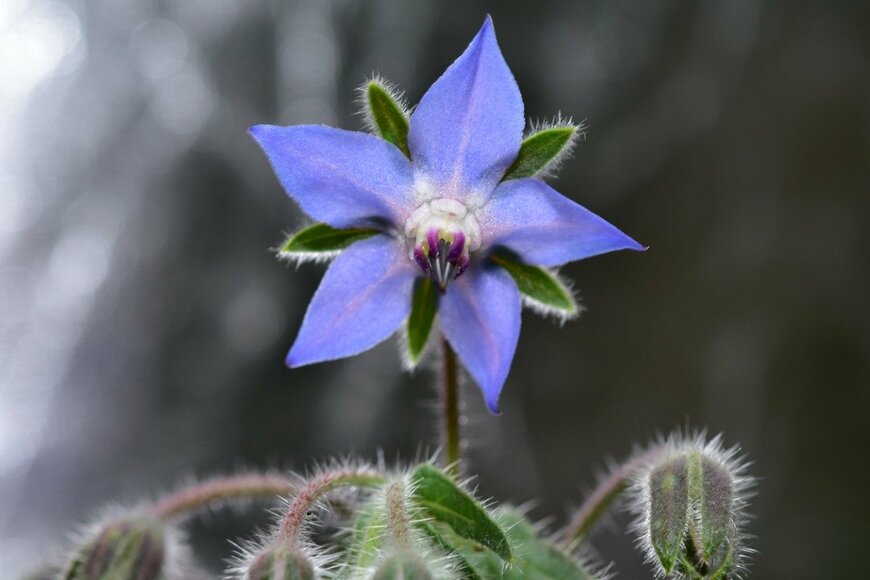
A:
{"x":456,"y":247}
{"x":421,"y":259}
{"x":461,"y":266}
{"x":432,"y":239}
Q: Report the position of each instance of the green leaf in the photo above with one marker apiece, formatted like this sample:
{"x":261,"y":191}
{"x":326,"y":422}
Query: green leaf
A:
{"x":535,"y":556}
{"x":541,"y":150}
{"x":444,"y":501}
{"x":387,"y":115}
{"x":441,"y":535}
{"x":423,"y":307}
{"x":540,"y":286}
{"x":539,"y":557}
{"x":322,"y":239}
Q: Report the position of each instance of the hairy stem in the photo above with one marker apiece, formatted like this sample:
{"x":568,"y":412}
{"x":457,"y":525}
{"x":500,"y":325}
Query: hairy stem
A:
{"x":450,"y":437}
{"x":398,"y":521}
{"x":599,"y":500}
{"x":218,"y":491}
{"x":308,"y":495}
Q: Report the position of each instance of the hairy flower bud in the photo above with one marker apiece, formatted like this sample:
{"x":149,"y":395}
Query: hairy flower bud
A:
{"x":690,"y":503}
{"x":132,"y":548}
{"x":281,"y":563}
{"x":402,"y":565}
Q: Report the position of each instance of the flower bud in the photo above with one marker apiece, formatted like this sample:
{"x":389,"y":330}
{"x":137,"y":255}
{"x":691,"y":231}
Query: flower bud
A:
{"x":131,"y":548}
{"x":690,"y":502}
{"x":280,"y":563}
{"x":668,"y":510}
{"x":402,"y":565}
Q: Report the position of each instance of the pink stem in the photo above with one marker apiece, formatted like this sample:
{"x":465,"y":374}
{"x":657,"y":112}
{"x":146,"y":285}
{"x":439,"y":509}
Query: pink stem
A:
{"x":220,"y":490}
{"x":597,"y":503}
{"x":308,"y":495}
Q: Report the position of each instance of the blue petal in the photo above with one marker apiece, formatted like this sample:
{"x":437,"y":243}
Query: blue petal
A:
{"x":339,"y":177}
{"x":363,"y":298}
{"x":468,"y":127}
{"x":480,"y":317}
{"x":546,"y":228}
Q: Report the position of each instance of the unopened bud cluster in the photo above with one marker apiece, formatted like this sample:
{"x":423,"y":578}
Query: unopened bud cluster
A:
{"x":690,"y":502}
{"x":130,"y":547}
{"x":404,"y":565}
{"x":387,"y":545}
{"x":281,"y":563}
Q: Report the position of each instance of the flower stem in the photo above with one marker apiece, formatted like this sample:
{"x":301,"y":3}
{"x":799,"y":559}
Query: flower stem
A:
{"x":597,"y":503}
{"x":397,"y":514}
{"x":450,"y":437}
{"x":220,"y":490}
{"x":308,"y":495}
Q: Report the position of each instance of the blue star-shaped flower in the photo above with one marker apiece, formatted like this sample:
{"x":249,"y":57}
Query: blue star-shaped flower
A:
{"x":441,"y":209}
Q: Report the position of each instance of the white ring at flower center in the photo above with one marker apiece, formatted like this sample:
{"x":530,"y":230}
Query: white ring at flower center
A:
{"x":448,"y":208}
{"x":446,"y":216}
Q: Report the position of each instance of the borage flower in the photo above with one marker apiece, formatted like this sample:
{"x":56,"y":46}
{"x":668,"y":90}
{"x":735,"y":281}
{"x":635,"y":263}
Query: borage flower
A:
{"x":443,"y":209}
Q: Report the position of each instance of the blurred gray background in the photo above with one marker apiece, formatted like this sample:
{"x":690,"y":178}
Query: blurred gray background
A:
{"x":144,"y":321}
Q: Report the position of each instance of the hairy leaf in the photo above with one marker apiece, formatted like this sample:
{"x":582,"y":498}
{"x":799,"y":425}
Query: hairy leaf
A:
{"x":535,"y":557}
{"x":441,"y":499}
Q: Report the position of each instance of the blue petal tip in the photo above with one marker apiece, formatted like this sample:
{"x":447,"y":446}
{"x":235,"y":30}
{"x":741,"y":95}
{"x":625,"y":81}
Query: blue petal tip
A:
{"x":257,"y":132}
{"x":493,"y":405}
{"x":291,"y":361}
{"x":638,"y":247}
{"x":487,"y":28}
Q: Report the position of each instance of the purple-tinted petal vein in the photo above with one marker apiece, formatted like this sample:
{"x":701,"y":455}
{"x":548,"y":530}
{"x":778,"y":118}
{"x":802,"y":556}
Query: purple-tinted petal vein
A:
{"x":342,"y":178}
{"x":480,"y":317}
{"x":363,"y":298}
{"x":546,"y":228}
{"x":467,"y":129}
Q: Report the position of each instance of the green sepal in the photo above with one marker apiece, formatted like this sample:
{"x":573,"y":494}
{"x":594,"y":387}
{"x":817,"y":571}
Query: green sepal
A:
{"x":367,"y":539}
{"x":540,"y":287}
{"x":281,"y":563}
{"x":130,"y":548}
{"x":387,"y":115}
{"x":669,"y":511}
{"x":540,"y":150}
{"x":424,"y":304}
{"x":716,"y":505}
{"x":444,"y":501}
{"x":321,"y":239}
{"x":403,"y":565}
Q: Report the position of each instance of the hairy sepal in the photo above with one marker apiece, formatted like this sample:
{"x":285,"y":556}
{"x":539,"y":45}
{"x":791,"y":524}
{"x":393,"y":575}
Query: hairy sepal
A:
{"x":388,"y":540}
{"x":542,"y":289}
{"x":321,"y":242}
{"x":418,"y":330}
{"x":544,"y":149}
{"x":708,"y":542}
{"x":129,"y":541}
{"x":385,"y":112}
